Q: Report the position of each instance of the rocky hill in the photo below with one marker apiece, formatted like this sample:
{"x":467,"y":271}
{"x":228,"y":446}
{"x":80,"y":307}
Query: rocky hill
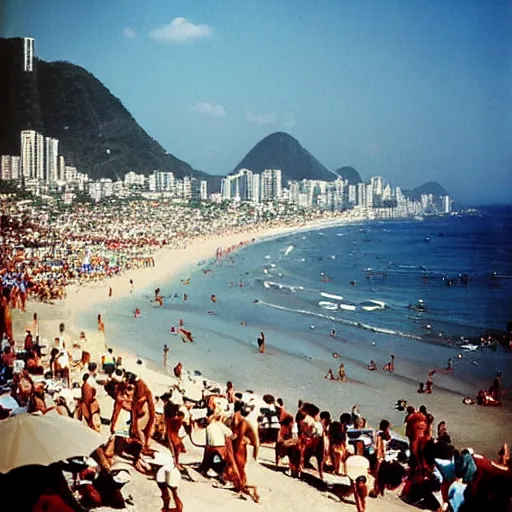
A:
{"x":281,"y":151}
{"x":350,"y":174}
{"x":96,"y":132}
{"x":431,"y":187}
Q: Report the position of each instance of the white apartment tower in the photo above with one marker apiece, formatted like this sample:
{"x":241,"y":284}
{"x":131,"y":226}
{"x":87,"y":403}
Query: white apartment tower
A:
{"x":51,"y":159}
{"x":187,"y":187}
{"x":40,"y":167}
{"x":28,"y":153}
{"x":271,"y":184}
{"x":447,"y":204}
{"x":203,"y":190}
{"x":225,"y":189}
{"x":361,"y":194}
{"x":377,"y":185}
{"x":61,"y":169}
{"x":255,"y":193}
{"x":28,"y":54}
{"x":352,"y":194}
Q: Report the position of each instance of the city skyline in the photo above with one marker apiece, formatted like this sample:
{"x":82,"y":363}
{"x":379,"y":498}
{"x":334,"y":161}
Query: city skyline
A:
{"x":415,"y":93}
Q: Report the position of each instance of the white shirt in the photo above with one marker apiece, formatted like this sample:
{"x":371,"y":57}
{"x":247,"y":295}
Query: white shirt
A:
{"x":216,"y":433}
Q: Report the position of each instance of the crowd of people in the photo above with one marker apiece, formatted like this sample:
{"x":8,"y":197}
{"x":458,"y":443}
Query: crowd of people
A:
{"x":43,"y":250}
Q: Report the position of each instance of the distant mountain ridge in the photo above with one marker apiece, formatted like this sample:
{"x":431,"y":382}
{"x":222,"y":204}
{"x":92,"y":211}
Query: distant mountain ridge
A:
{"x":431,"y":187}
{"x":349,"y":174}
{"x":282,"y":151}
{"x":96,"y":132}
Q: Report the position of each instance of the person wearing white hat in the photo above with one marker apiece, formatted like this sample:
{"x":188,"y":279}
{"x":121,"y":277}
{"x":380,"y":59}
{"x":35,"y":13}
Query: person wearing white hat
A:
{"x":167,"y":478}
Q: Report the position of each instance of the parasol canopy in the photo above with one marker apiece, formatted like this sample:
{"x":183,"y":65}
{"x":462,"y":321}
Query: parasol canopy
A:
{"x":28,"y":439}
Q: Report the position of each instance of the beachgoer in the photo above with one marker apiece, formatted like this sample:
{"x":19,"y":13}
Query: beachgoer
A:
{"x":178,"y":371}
{"x":372,"y":366}
{"x":421,"y":388}
{"x":213,"y":298}
{"x":381,"y":442}
{"x":101,"y":325}
{"x":330,"y":375}
{"x":429,"y":382}
{"x":110,"y":291}
{"x":108,"y":362}
{"x":166,"y":352}
{"x":230,"y":392}
{"x":143,"y":412}
{"x":131,"y":285}
{"x":136,"y":313}
{"x":261,"y":343}
{"x":89,"y":406}
{"x":390,"y":365}
{"x":495,"y":389}
{"x":449,"y":365}
{"x":341,"y":373}
{"x":244,"y":433}
{"x":333,"y":333}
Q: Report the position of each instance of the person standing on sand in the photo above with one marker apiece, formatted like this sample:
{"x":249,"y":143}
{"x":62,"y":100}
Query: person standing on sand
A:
{"x":101,"y":325}
{"x":341,"y":373}
{"x":166,"y":351}
{"x":131,"y":285}
{"x":89,"y":406}
{"x":261,"y":343}
{"x":143,"y":416}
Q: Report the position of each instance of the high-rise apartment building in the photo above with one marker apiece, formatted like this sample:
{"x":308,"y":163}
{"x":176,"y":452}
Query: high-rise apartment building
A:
{"x":203,"y":190}
{"x":51,"y":159}
{"x":28,"y":154}
{"x":28,"y":54}
{"x":271,"y":184}
{"x":225,"y":189}
{"x":377,"y":185}
{"x":40,"y":164}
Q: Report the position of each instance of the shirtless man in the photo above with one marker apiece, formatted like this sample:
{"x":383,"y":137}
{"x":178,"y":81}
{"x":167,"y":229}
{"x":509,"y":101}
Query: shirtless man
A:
{"x":244,"y":434}
{"x":89,"y":406}
{"x":143,"y":416}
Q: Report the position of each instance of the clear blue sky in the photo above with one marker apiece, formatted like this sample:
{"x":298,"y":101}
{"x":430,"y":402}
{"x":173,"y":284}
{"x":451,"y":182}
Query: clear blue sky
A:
{"x":410,"y":90}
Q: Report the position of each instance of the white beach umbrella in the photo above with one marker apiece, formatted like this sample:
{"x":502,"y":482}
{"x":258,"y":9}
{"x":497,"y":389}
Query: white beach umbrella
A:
{"x":28,"y":439}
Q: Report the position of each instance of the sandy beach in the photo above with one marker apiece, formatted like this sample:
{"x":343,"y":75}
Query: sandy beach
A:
{"x":484,"y":429}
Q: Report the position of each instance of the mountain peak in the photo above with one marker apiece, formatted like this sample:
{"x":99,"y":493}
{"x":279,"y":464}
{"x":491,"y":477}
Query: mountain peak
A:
{"x":280,"y":150}
{"x":350,"y":174}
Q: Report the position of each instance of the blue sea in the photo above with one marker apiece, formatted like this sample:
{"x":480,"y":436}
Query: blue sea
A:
{"x":278,"y":287}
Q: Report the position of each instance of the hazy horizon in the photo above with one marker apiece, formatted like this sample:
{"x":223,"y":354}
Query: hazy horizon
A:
{"x":411,"y":91}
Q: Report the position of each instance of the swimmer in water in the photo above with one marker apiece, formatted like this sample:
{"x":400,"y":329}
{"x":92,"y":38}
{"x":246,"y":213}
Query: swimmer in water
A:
{"x":136,"y":313}
{"x":213,"y":298}
{"x":185,"y":297}
{"x":333,"y":333}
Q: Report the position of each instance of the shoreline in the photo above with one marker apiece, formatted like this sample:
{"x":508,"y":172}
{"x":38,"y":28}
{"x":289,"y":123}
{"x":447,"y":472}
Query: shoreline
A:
{"x":83,"y":298}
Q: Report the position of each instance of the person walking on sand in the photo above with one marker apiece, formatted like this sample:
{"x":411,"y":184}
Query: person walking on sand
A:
{"x":261,"y":343}
{"x":131,"y":285}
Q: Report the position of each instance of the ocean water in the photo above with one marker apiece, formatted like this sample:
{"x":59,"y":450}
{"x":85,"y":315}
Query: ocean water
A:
{"x":276,"y":287}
